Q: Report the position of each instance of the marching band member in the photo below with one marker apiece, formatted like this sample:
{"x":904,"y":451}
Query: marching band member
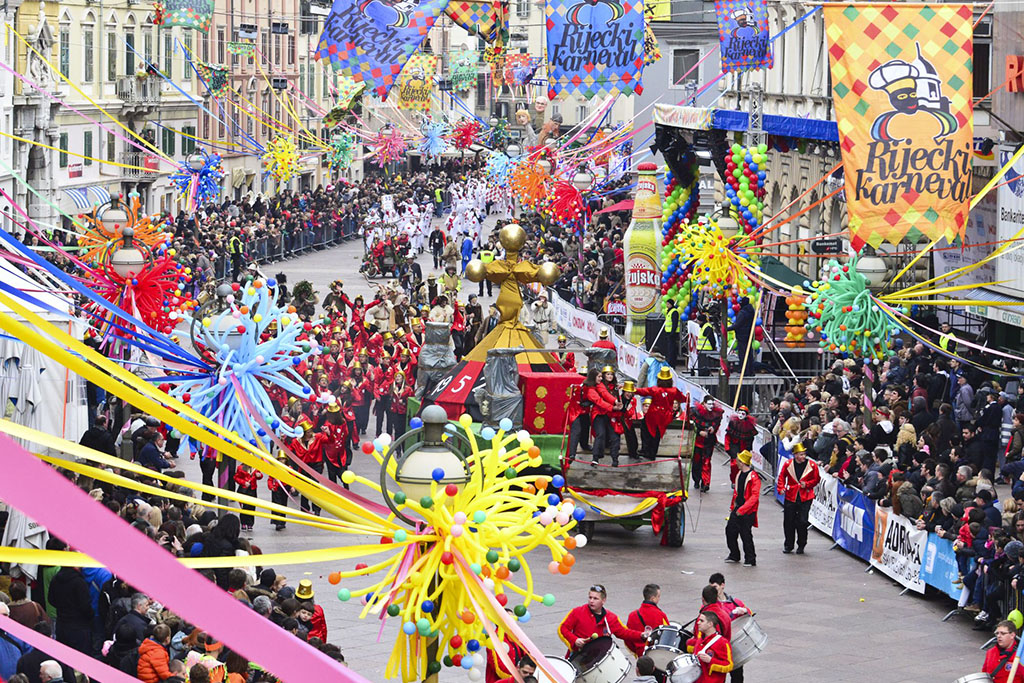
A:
{"x":743,"y":516}
{"x":400,"y":392}
{"x":586,"y":622}
{"x":362,"y":394}
{"x":706,"y":417}
{"x":739,"y":436}
{"x":711,"y":648}
{"x":797,"y":480}
{"x":664,"y":397}
{"x":999,"y":657}
{"x":335,"y":427}
{"x":647,"y":616}
{"x":309,"y":449}
{"x":736,"y":610}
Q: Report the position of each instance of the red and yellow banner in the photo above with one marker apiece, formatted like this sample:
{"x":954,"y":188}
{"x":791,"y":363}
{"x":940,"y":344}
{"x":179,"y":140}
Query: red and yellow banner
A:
{"x":902,"y":84}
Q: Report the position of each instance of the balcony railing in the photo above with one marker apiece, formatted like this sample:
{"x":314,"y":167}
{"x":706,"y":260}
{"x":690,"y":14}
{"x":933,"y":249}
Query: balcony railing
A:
{"x":139,"y":91}
{"x":141,"y":161}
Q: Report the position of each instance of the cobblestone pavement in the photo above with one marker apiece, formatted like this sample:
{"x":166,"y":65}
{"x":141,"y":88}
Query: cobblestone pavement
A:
{"x":826,"y":619}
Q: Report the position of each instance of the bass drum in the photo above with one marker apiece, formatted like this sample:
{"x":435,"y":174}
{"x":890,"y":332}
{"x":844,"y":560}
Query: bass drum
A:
{"x":974,"y":678}
{"x":683,"y":669}
{"x":665,"y":644}
{"x":600,"y":661}
{"x":562,"y":666}
{"x":748,"y":639}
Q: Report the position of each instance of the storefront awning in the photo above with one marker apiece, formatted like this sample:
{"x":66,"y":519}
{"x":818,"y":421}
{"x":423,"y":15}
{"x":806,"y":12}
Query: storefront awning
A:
{"x":84,"y":197}
{"x":1005,"y":309}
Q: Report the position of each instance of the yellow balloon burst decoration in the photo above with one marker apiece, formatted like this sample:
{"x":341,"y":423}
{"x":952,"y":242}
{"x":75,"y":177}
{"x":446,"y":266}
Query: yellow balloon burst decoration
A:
{"x":719,"y":263}
{"x":281,"y":159}
{"x":457,"y":569}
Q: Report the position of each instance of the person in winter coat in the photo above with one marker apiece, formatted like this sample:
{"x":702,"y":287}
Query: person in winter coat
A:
{"x":962,"y":401}
{"x":1016,"y":445}
{"x":11,"y":650}
{"x":69,"y":595}
{"x":153,"y":656}
{"x":743,"y":517}
{"x":883,"y":432}
{"x":910,"y":504}
{"x":99,"y":438}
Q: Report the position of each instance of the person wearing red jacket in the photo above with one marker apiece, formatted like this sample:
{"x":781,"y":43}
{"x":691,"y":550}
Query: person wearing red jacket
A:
{"x":577,"y":417}
{"x":999,"y":657}
{"x":400,"y":393}
{"x":706,"y":417}
{"x":647,"y":616}
{"x":602,"y":402}
{"x":745,"y":496}
{"x":362,"y":394}
{"x":495,"y":670}
{"x":603,"y":342}
{"x":316,"y":622}
{"x":797,"y":480}
{"x":382,"y":378}
{"x":739,"y":436}
{"x":624,"y":419}
{"x":592,"y":620}
{"x":735,"y":608}
{"x":279,"y":491}
{"x":335,"y":428}
{"x":309,"y":448}
{"x":567,"y":359}
{"x":662,"y":410}
{"x":245,"y":479}
{"x":711,"y":648}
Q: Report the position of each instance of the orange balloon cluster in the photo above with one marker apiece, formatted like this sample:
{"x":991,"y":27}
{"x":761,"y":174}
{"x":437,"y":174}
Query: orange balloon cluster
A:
{"x":796,"y":319}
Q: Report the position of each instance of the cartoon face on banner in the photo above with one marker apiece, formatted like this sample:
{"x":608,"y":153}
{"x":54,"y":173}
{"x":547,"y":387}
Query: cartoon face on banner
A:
{"x":241,"y":48}
{"x":904,"y":118}
{"x":519,"y":69}
{"x":743,"y":34}
{"x":463,"y":69}
{"x":194,"y":14}
{"x":371,"y":40}
{"x":595,"y":47}
{"x":416,"y":82}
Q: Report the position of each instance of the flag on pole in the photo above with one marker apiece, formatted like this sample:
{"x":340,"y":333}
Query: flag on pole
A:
{"x":902,"y":85}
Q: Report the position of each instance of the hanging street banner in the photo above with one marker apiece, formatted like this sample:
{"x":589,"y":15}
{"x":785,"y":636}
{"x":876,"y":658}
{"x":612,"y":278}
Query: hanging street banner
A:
{"x":417,"y":82}
{"x":743,"y":35}
{"x":371,"y":40}
{"x":489,"y":20}
{"x":194,"y":14}
{"x":595,"y":47}
{"x":462,"y":65}
{"x":902,"y":84}
{"x":215,"y":76}
{"x":240,"y":47}
{"x":899,"y":548}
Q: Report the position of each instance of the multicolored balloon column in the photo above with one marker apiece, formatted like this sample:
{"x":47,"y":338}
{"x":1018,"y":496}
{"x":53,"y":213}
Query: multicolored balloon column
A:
{"x":849,"y":318}
{"x":745,"y":174}
{"x":464,"y":564}
{"x":796,"y":318}
{"x":678,"y":210}
{"x":252,"y":345}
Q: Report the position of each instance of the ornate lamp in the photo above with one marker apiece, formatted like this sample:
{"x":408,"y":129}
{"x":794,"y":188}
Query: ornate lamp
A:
{"x":582,"y":180}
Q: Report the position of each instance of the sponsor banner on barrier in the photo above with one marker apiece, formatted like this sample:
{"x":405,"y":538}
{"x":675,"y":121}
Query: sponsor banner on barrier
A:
{"x":939,"y":568}
{"x":898,"y":549}
{"x":854,"y":528}
{"x":823,"y":508}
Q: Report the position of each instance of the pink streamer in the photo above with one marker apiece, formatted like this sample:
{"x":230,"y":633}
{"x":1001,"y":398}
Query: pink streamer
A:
{"x":79,"y":661}
{"x":31,"y":486}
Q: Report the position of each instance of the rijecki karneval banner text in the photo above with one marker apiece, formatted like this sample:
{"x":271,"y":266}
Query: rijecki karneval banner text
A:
{"x":901,"y":78}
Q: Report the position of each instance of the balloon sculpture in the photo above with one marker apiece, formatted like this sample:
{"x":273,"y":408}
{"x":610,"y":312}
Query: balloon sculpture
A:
{"x":796,"y":318}
{"x":251,"y":345}
{"x":281,"y":159}
{"x":568,"y":208}
{"x":341,"y":151}
{"x":465,"y":133}
{"x":745,"y":176}
{"x":198,"y":179}
{"x":499,"y":168}
{"x":464,"y":562}
{"x":98,"y":236}
{"x":433,"y":143}
{"x":850,"y":320}
{"x":389,"y":146}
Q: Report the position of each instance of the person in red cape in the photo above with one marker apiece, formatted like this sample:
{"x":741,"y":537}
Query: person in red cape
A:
{"x":797,"y":480}
{"x":711,"y":648}
{"x":647,"y":616}
{"x":706,"y":417}
{"x":586,"y":622}
{"x":662,"y":410}
{"x":739,"y":436}
{"x":743,"y":517}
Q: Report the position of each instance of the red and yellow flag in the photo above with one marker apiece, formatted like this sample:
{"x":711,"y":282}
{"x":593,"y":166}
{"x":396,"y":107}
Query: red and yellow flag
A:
{"x":901,"y":76}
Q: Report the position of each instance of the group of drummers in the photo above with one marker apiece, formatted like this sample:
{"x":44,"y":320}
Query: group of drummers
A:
{"x":718,"y":642}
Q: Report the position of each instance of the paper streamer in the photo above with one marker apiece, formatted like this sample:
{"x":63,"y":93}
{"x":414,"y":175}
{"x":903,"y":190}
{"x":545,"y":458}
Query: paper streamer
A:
{"x":31,"y":486}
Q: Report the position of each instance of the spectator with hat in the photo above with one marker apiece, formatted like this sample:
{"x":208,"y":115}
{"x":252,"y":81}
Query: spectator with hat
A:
{"x":316,"y":623}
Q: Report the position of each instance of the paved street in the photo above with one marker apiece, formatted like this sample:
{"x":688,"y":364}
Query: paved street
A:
{"x":826,"y":619}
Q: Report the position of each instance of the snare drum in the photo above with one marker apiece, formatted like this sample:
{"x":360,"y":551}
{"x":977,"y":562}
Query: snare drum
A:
{"x":665,"y":644}
{"x":974,"y":678}
{"x":600,"y":661}
{"x":683,"y":669}
{"x":562,"y":666}
{"x":748,"y":639}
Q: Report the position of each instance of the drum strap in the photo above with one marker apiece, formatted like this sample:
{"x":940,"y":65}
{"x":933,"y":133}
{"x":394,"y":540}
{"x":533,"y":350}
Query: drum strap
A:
{"x":709,"y":643}
{"x":1004,"y":660}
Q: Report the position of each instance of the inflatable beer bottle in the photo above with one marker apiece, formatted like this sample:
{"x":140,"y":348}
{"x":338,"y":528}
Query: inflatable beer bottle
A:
{"x":642,"y":246}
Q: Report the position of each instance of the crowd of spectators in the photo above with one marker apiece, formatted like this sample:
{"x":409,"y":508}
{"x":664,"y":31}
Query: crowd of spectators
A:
{"x":942,"y":446}
{"x":94,"y":612}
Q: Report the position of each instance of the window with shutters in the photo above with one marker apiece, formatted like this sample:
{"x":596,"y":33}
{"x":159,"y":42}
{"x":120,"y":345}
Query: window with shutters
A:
{"x":87,"y":147}
{"x":63,"y":155}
